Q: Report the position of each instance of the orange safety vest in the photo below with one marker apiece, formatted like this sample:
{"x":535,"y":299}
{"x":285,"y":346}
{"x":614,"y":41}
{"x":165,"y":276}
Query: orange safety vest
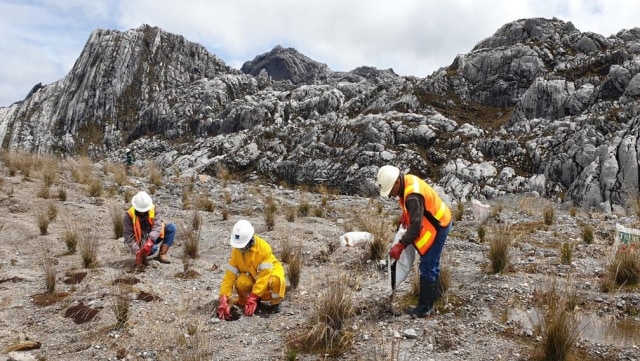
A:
{"x":436,"y":213}
{"x":137,"y":229}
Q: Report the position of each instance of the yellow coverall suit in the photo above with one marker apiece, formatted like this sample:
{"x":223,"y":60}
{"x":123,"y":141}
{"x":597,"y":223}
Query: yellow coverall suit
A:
{"x":255,"y":271}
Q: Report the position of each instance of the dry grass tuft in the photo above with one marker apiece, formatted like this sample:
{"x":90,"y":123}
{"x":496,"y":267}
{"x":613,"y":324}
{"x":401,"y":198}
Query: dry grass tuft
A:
{"x":560,"y":328}
{"x":89,"y":251}
{"x":196,"y":220}
{"x":49,"y":276}
{"x":117,"y":214}
{"x":52,"y":211}
{"x":205,"y":203}
{"x":121,"y":306}
{"x":566,"y":253}
{"x":191,"y":244}
{"x":460,"y":212}
{"x":304,"y":207}
{"x":381,"y":232}
{"x":223,"y":174}
{"x":270,"y":208}
{"x":294,"y":267}
{"x":155,"y":174}
{"x":286,"y":254}
{"x":62,"y":193}
{"x":624,"y":268}
{"x":42,"y":219}
{"x":587,"y":233}
{"x":328,"y":330}
{"x":549,"y":216}
{"x":499,"y":248}
{"x":94,"y":187}
{"x":481,"y":233}
{"x":71,"y":236}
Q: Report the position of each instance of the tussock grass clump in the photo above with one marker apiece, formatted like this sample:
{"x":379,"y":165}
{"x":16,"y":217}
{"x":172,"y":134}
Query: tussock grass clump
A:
{"x":52,"y":211}
{"x":94,"y":187}
{"x":205,"y":203}
{"x":382,"y":234}
{"x":549,"y":216}
{"x":43,"y":192}
{"x":81,"y":169}
{"x":624,"y":268}
{"x":481,"y":233}
{"x":499,"y":248}
{"x":460,"y":212}
{"x":42,"y":219}
{"x":191,"y":244}
{"x":560,"y":327}
{"x":269,"y":214}
{"x":89,"y":251}
{"x":566,"y":253}
{"x":328,"y":327}
{"x":286,"y":254}
{"x":121,"y":306}
{"x":155,"y":174}
{"x":227,"y":197}
{"x":120,"y":176}
{"x":318,"y":212}
{"x":223,"y":174}
{"x":49,"y":276}
{"x":62,"y":193}
{"x":294,"y":267}
{"x":49,"y":170}
{"x":291,"y":214}
{"x":304,"y":207}
{"x":587,"y":233}
{"x":225,"y":214}
{"x":117,"y":215}
{"x":196,"y":220}
{"x":71,"y":236}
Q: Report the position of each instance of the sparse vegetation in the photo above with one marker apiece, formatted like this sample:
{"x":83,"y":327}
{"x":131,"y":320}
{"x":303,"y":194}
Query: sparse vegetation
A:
{"x":155,"y":174}
{"x":191,"y":244}
{"x":42,"y":219}
{"x":89,"y":251}
{"x":328,"y":331}
{"x":117,"y":215}
{"x":70,"y":236}
{"x":196,"y":220}
{"x":624,"y":268}
{"x":500,"y":245}
{"x":460,"y":212}
{"x":294,"y":268}
{"x":566,"y":253}
{"x":120,"y":306}
{"x":587,"y":233}
{"x":49,"y":276}
{"x":549,"y":215}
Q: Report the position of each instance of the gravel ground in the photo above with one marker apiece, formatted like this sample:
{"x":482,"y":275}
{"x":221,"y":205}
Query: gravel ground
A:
{"x":171,"y":307}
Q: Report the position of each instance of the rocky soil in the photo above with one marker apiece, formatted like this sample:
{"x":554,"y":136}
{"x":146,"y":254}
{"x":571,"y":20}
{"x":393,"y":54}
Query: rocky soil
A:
{"x":171,"y":307}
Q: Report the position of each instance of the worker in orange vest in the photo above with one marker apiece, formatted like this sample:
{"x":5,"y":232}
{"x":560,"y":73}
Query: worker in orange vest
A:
{"x":427,"y":220}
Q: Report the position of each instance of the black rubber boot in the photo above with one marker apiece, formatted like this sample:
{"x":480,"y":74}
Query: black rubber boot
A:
{"x":425,"y":300}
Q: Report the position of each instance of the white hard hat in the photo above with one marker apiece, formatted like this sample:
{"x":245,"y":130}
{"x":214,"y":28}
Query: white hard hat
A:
{"x":142,"y":202}
{"x":241,"y":234}
{"x":387,"y":176}
{"x":128,"y":150}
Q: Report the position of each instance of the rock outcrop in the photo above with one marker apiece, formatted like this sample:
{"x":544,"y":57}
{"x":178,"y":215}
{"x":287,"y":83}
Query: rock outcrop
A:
{"x":537,"y":107}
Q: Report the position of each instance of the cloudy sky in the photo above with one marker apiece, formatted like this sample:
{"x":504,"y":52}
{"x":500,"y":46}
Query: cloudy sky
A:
{"x":41,"y":39}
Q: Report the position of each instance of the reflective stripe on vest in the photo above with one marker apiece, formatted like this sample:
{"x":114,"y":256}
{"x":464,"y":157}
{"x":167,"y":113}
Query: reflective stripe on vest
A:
{"x":137,"y":229}
{"x":433,"y":205}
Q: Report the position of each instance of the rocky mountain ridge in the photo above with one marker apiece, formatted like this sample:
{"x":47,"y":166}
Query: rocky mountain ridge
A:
{"x":537,"y":107}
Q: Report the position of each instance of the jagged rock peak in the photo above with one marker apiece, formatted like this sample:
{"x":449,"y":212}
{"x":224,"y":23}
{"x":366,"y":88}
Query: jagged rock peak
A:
{"x":527,"y":30}
{"x":286,"y":64}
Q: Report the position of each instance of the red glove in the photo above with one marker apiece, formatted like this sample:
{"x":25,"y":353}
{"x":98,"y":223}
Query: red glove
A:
{"x":251,"y":305}
{"x":224,"y":311}
{"x":396,"y":250}
{"x":146,"y":249}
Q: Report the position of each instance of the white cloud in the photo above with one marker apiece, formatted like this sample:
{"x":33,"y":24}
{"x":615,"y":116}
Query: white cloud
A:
{"x":42,"y":38}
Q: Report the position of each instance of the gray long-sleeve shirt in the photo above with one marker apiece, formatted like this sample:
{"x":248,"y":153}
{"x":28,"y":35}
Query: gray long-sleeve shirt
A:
{"x":415,"y":206}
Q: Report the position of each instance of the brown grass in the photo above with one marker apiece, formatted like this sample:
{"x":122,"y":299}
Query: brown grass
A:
{"x":294,"y":267}
{"x":117,"y":215}
{"x":89,"y":251}
{"x":71,"y":236}
{"x":42,"y":219}
{"x":624,"y":268}
{"x":328,"y":327}
{"x":191,"y":243}
{"x":499,"y":248}
{"x":155,"y":174}
{"x":49,"y":276}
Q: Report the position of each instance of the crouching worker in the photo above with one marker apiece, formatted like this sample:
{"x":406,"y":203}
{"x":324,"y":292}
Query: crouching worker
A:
{"x":253,"y":271}
{"x":144,"y":230}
